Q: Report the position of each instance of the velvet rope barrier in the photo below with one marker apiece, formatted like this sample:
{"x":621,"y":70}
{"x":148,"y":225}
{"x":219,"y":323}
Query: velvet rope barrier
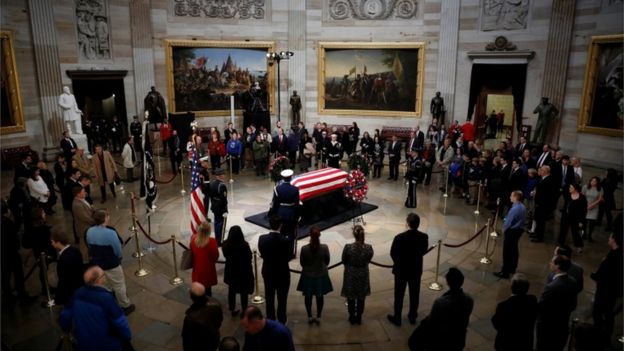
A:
{"x":150,"y":238}
{"x":467,"y":241}
{"x":167,"y":181}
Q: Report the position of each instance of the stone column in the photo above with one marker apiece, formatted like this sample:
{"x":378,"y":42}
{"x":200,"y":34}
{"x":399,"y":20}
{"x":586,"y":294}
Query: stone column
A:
{"x":556,"y":61}
{"x":49,"y":79}
{"x":297,"y":64}
{"x":142,"y":51}
{"x":447,"y":57}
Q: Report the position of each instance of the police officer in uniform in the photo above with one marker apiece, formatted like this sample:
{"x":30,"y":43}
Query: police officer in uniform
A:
{"x":204,"y":178}
{"x":218,"y":198}
{"x":285,"y":204}
{"x":334,"y":152}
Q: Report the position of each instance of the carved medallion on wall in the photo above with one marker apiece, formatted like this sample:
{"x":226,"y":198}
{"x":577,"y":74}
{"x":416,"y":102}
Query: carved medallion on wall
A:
{"x":372,"y":9}
{"x":92,"y":24}
{"x":241,"y":9}
{"x":504,"y":14}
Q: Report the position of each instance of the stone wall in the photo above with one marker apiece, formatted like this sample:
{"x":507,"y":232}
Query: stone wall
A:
{"x":449,"y":29}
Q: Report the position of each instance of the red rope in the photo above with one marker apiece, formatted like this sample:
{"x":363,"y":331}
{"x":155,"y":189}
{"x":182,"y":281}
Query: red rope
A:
{"x":167,"y":181}
{"x":467,"y":241}
{"x":150,"y":238}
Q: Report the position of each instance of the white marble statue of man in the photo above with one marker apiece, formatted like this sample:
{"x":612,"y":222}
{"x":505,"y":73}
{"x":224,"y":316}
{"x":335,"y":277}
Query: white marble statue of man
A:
{"x":71,"y":113}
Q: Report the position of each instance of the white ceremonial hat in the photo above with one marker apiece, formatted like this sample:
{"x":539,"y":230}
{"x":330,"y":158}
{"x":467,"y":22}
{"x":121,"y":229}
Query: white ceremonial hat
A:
{"x":287,"y":173}
{"x":204,"y":159}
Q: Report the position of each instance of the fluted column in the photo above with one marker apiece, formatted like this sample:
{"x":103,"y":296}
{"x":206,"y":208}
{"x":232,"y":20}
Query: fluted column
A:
{"x":556,"y":61}
{"x":142,"y":52}
{"x":447,"y":56}
{"x":49,"y":79}
{"x":297,"y":64}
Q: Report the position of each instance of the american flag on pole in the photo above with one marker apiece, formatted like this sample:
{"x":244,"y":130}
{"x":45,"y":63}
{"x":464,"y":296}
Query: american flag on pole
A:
{"x":197,"y":196}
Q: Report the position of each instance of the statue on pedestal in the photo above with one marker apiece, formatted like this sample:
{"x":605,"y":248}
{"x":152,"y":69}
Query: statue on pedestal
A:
{"x":71,"y":113}
{"x":547,"y":112}
{"x":257,"y":95}
{"x":437,"y":108}
{"x":295,"y":103}
{"x":155,"y":104}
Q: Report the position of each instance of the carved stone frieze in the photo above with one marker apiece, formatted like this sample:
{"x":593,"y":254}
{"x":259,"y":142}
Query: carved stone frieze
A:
{"x":504,"y":14}
{"x":241,"y":9}
{"x":501,"y":44}
{"x":372,"y":9}
{"x":93,"y":30}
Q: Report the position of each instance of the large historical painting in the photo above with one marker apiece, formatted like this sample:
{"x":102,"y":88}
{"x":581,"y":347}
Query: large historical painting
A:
{"x":602,"y":104}
{"x":92,"y":24}
{"x":11,"y":119}
{"x":202,"y":75}
{"x":378,"y":79}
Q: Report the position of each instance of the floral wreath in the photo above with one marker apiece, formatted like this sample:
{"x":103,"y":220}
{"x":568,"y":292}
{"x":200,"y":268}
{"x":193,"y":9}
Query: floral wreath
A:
{"x":277,"y":166}
{"x":356,"y":186}
{"x":358,"y":162}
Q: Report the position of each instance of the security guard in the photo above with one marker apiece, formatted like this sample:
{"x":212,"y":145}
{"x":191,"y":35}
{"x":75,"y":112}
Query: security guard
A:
{"x":286,"y":204}
{"x":218,"y":199}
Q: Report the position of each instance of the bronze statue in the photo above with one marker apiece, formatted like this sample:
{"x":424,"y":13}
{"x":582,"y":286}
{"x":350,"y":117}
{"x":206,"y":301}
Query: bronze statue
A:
{"x":295,"y":103}
{"x":154,"y":103}
{"x":437,"y":108}
{"x":547,"y":112}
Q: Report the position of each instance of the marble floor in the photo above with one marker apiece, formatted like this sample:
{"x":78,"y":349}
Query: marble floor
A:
{"x":156,"y":323}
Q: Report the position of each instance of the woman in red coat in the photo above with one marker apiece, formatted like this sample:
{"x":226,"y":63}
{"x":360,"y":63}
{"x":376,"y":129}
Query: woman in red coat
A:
{"x":205,"y":255}
{"x":216,"y":149}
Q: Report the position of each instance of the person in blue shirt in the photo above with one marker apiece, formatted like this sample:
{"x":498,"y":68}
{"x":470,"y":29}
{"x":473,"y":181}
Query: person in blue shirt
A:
{"x":234,"y":150}
{"x":94,"y":317}
{"x":513,"y":227}
{"x":264,"y":334}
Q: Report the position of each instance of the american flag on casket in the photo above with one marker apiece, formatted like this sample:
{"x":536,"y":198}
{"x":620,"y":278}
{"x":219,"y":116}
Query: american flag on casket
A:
{"x":319,"y":182}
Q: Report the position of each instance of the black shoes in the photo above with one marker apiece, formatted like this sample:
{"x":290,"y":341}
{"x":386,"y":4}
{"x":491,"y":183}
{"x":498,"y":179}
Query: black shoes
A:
{"x":412,"y":319}
{"x":129,"y":309}
{"x":394,"y":320}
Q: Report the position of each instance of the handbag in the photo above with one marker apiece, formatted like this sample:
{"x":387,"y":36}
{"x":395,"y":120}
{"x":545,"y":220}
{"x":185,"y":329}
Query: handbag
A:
{"x":186,"y":262}
{"x":117,"y":179}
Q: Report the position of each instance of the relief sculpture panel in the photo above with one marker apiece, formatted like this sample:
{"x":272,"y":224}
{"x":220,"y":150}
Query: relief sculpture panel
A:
{"x":241,"y":9}
{"x":92,"y":24}
{"x":504,"y":14}
{"x":372,"y":9}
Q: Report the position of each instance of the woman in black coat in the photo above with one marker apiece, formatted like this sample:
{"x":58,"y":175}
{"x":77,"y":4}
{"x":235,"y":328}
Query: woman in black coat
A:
{"x":38,"y":236}
{"x":573,"y":217}
{"x":238,"y":273}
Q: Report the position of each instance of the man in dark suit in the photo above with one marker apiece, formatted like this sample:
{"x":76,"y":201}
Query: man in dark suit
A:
{"x":218,"y":202}
{"x":69,"y":268}
{"x":564,"y":172}
{"x":445,"y":327}
{"x":545,"y":158}
{"x":555,"y":306}
{"x":66,"y":193}
{"x":285,"y":204}
{"x":407,"y":251}
{"x":520,"y":147}
{"x":276,"y":252}
{"x":545,"y":197}
{"x":517,"y":178}
{"x":515,"y":318}
{"x":22,"y":169}
{"x":394,"y":155}
{"x":69,"y":146}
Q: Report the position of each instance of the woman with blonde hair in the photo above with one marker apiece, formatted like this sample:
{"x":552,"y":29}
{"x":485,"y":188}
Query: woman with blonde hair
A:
{"x":205,"y":255}
{"x":356,"y":281}
{"x":314,"y":279}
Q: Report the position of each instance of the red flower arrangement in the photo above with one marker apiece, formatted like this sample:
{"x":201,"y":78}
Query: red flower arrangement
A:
{"x":356,"y":186}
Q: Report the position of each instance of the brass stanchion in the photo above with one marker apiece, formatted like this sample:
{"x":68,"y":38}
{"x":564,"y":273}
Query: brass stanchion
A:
{"x":446,"y":173}
{"x":44,"y":272}
{"x":436,"y":284}
{"x":176,"y":280}
{"x":494,"y":233}
{"x":182,"y":191}
{"x":257,"y":298}
{"x":485,"y":259}
{"x":231,"y":178}
{"x":476,"y":212}
{"x":134,"y":228}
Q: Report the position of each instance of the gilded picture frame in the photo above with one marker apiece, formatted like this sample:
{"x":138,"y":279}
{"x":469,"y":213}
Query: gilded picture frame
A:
{"x":12,"y":119}
{"x":371,"y":78}
{"x":203,"y":74}
{"x":602,"y":102}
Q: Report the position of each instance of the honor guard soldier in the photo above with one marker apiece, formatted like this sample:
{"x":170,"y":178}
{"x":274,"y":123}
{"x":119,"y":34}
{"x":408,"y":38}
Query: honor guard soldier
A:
{"x":285,"y":204}
{"x":334,"y":152}
{"x":204,"y":178}
{"x":412,"y":176}
{"x":218,"y":198}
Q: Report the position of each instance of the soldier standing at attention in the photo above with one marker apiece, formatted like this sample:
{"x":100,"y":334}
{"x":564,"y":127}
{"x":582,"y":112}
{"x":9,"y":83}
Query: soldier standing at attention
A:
{"x":218,"y":198}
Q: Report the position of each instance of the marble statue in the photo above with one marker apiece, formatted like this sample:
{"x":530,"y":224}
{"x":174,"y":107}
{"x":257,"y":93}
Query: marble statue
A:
{"x":547,"y":112}
{"x":71,"y":113}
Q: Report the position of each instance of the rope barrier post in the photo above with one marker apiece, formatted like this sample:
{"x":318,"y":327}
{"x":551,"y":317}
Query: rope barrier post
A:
{"x":176,"y":280}
{"x":436,"y":284}
{"x":476,"y":212}
{"x":485,"y":259}
{"x":137,"y":253}
{"x":494,"y":233}
{"x":182,"y":191}
{"x":231,"y":178}
{"x":445,"y":189}
{"x":150,"y":248}
{"x":257,"y":299}
{"x":44,"y":269}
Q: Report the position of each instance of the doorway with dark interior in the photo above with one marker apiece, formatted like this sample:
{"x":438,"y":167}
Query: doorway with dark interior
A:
{"x":496,"y":99}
